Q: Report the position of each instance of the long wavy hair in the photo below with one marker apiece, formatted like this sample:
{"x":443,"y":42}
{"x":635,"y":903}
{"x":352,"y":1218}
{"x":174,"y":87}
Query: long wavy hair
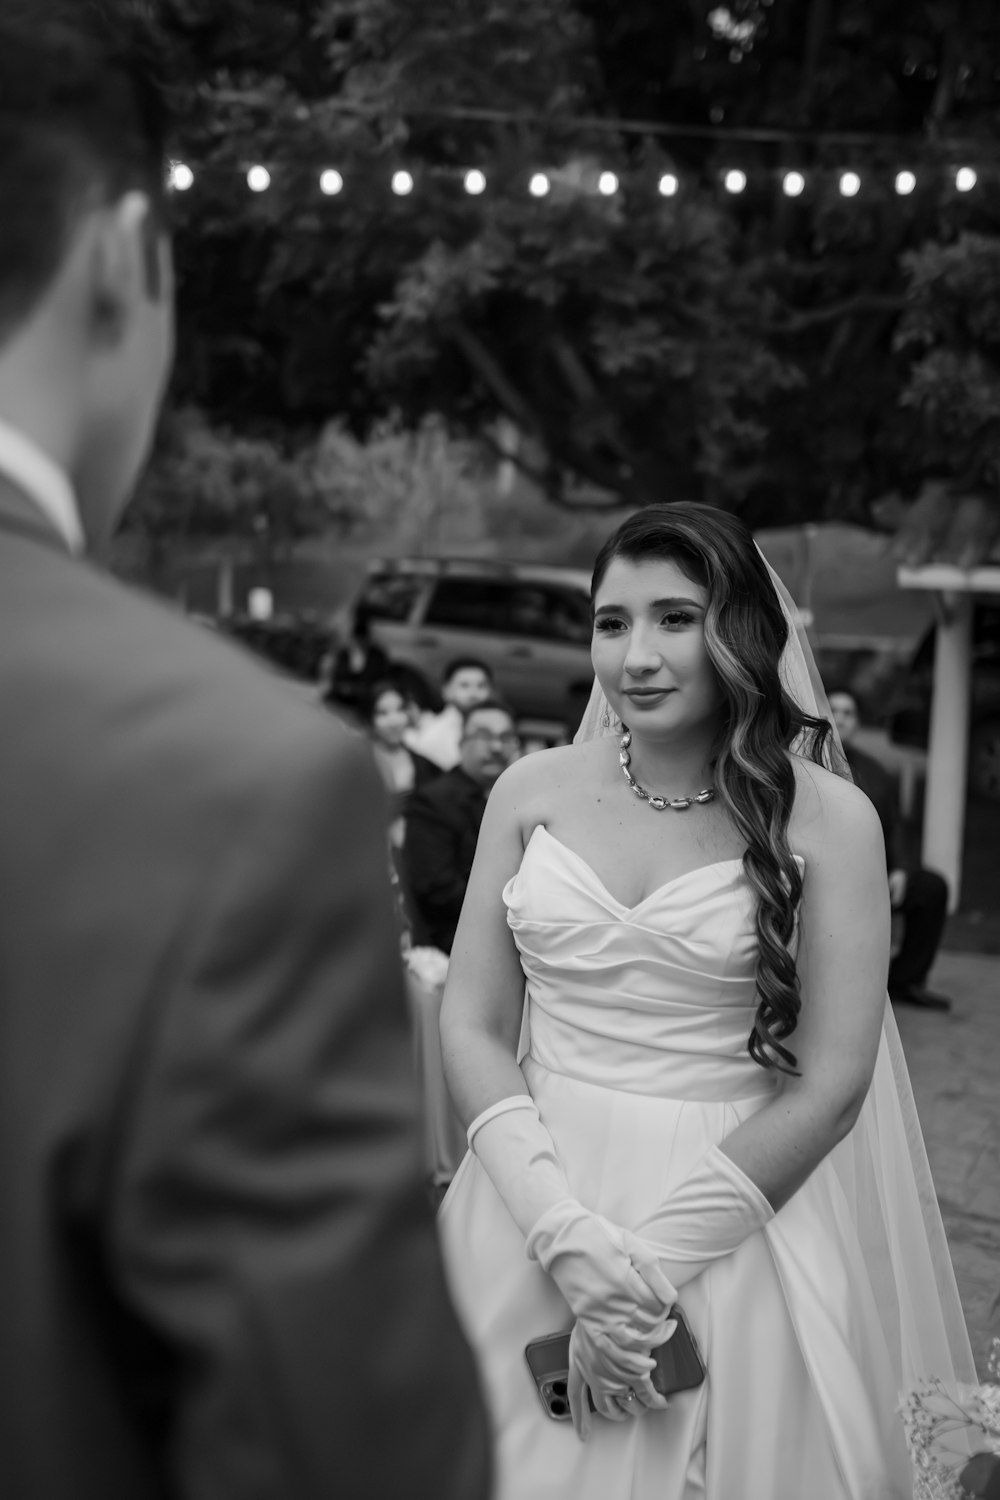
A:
{"x":745,"y":635}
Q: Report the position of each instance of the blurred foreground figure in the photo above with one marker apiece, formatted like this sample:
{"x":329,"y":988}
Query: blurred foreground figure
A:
{"x":218,"y":1275}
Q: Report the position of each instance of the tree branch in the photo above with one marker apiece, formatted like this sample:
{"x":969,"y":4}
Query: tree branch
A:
{"x":490,"y":371}
{"x":847,"y":307}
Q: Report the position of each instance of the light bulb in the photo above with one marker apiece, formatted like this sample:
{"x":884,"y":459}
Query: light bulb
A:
{"x":402,"y":183}
{"x":850,"y":184}
{"x":258,"y":179}
{"x":905,"y":182}
{"x":668,"y":184}
{"x":331,"y":182}
{"x":793,"y":184}
{"x":607,"y":184}
{"x":965,"y":179}
{"x":475,"y":182}
{"x":735,"y":181}
{"x":181,"y":176}
{"x":539,"y":185}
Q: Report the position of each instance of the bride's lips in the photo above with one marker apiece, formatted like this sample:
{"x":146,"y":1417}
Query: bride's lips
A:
{"x":648,"y":697}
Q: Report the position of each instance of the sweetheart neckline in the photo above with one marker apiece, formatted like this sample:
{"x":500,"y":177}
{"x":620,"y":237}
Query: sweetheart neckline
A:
{"x":715,"y":864}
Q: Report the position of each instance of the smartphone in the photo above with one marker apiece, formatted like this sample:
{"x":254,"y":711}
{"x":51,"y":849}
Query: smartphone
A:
{"x":679,"y":1366}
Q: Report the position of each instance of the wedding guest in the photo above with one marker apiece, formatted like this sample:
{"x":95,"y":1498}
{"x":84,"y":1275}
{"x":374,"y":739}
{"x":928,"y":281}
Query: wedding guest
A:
{"x":918,"y":895}
{"x":218,"y":1273}
{"x":388,"y":715}
{"x":443,"y":818}
{"x":355,"y":667}
{"x":466,"y":682}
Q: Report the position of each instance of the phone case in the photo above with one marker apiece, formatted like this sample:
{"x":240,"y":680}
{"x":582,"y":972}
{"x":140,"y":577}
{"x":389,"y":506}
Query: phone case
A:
{"x":679,"y":1366}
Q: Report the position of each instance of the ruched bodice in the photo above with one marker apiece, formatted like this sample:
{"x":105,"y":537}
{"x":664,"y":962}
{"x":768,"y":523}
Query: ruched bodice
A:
{"x":657,"y":998}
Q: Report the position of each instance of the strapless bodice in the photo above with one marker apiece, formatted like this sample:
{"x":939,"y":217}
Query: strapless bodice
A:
{"x":657,"y":998}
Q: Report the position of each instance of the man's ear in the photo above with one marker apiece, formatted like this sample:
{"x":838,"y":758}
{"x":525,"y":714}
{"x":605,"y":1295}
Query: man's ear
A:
{"x":126,"y":266}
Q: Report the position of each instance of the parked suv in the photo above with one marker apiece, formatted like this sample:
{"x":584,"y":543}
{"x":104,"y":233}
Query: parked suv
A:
{"x":909,"y":715}
{"x":529,"y":624}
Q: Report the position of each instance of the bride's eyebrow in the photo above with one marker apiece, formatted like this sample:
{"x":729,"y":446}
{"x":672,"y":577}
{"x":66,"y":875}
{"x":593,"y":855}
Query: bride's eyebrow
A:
{"x":673,"y":603}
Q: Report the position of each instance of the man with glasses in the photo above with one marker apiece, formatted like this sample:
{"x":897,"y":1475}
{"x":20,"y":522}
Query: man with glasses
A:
{"x":442,"y":824}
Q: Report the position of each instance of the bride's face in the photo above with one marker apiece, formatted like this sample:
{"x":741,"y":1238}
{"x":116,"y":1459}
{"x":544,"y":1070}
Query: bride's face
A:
{"x":649,"y":649}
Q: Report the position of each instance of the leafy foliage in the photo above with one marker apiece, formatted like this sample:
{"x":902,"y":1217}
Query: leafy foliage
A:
{"x":790,"y":357}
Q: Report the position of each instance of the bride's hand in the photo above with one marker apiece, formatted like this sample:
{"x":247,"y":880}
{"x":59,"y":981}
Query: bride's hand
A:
{"x":616,"y":1378}
{"x":608,"y":1275}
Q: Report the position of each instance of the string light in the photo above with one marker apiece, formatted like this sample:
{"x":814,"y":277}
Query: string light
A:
{"x":181,"y":176}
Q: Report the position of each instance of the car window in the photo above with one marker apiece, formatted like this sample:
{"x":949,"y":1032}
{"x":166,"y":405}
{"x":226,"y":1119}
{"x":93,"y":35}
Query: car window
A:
{"x":550,"y":613}
{"x":470,"y":604}
{"x":391,"y":596}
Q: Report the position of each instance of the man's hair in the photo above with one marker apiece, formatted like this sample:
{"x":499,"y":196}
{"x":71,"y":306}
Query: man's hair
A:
{"x":497,"y":705}
{"x":83,"y":119}
{"x":465,"y":664}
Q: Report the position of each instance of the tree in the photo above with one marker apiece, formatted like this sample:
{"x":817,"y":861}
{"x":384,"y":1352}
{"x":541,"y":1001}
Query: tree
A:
{"x":208,"y":483}
{"x":742,"y":350}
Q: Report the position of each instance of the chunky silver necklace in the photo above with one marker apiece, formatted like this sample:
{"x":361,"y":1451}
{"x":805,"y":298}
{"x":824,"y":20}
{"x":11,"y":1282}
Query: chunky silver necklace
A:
{"x":676,"y":804}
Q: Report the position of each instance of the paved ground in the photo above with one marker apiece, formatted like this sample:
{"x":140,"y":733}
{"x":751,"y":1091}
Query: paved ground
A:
{"x":954,"y":1063}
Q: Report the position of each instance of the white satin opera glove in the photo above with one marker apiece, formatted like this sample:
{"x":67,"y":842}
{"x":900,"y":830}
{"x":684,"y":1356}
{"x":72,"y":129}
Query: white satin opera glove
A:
{"x":606,"y":1274}
{"x":707,"y":1216}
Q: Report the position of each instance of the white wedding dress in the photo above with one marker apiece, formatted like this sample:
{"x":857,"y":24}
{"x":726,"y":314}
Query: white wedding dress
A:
{"x":636,"y":1028}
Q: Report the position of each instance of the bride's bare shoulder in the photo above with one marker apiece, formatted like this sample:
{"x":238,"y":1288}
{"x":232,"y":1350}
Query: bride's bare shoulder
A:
{"x":531,"y":784}
{"x":830,"y":812}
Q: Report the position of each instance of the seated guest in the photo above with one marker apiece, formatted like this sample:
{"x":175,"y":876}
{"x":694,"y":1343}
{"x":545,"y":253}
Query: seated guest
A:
{"x":387,"y":715}
{"x":466,"y":681}
{"x":920,"y":896}
{"x":443,"y":818}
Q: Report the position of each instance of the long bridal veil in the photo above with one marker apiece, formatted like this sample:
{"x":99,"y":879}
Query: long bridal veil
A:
{"x":882,"y":1164}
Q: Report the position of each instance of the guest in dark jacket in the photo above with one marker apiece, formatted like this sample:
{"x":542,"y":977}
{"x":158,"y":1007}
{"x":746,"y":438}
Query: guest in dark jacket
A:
{"x":358,"y":664}
{"x":442,"y":823}
{"x":920,"y":896}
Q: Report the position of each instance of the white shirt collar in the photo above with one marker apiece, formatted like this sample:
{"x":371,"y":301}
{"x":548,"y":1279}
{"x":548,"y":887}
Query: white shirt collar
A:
{"x":44,"y":482}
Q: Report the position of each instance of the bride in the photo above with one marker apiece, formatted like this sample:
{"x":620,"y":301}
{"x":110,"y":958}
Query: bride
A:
{"x":666,"y":1027}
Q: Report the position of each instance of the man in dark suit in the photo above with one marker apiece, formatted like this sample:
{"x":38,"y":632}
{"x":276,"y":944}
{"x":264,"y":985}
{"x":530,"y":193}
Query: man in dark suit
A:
{"x":443,"y":819}
{"x":919,"y":895}
{"x":219,"y":1276}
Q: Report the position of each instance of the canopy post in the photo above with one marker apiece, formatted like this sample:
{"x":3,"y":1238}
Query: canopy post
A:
{"x":948,"y":750}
